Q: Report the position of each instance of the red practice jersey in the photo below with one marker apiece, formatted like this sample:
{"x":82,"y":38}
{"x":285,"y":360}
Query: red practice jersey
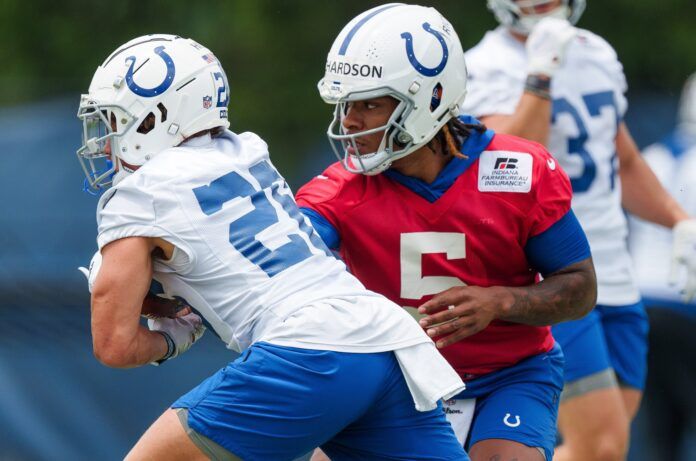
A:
{"x":408,"y":249}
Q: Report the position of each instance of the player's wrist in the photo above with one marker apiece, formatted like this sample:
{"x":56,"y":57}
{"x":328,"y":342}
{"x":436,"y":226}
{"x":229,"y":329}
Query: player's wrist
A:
{"x":171,"y":347}
{"x":505,"y":302}
{"x":680,"y":217}
{"x":538,"y":84}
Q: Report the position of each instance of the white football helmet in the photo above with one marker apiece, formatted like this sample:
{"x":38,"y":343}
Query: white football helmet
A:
{"x":510,"y":13}
{"x":408,"y":52}
{"x":148,"y":95}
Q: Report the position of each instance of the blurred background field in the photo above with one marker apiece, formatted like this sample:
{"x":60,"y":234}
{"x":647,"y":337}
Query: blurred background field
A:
{"x":56,"y":401}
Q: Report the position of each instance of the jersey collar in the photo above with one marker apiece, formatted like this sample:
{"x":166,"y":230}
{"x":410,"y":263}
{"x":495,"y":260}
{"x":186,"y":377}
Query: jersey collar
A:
{"x":472,"y":147}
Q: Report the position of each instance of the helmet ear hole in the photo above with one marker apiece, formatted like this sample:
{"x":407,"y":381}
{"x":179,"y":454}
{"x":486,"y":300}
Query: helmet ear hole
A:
{"x":147,"y":124}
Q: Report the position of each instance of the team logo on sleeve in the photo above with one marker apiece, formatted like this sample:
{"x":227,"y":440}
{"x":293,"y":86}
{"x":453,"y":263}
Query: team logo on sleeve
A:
{"x":503,"y":171}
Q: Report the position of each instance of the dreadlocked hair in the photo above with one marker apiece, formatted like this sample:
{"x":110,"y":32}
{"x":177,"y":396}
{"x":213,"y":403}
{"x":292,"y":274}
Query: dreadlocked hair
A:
{"x":454,"y":133}
{"x":214,"y":132}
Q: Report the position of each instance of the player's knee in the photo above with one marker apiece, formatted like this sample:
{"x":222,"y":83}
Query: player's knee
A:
{"x":610,"y":452}
{"x":607,"y":441}
{"x":611,"y":446}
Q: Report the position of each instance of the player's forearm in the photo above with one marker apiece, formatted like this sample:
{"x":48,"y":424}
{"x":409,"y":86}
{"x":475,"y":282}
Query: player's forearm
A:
{"x":641,"y":191}
{"x":117,"y":299}
{"x":531,"y":120}
{"x":568,"y":294}
{"x":124,"y":345}
{"x":643,"y":196}
{"x":149,"y":347}
{"x":118,"y":339}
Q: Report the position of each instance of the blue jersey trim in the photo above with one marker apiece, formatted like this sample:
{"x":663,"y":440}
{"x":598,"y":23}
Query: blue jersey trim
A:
{"x":559,"y":246}
{"x":326,"y":231}
{"x":472,"y":147}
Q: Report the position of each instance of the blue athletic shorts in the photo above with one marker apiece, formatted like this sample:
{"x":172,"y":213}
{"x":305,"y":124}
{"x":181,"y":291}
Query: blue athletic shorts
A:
{"x":519,"y":403}
{"x":277,"y":403}
{"x":608,"y":337}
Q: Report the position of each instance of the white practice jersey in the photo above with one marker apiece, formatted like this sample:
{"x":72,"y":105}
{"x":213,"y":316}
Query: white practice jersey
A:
{"x":588,"y":104}
{"x":651,"y":244}
{"x":252,"y":265}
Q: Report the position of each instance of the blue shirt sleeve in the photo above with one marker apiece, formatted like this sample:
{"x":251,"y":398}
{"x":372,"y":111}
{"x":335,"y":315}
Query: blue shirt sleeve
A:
{"x":326,"y":231}
{"x":559,"y":246}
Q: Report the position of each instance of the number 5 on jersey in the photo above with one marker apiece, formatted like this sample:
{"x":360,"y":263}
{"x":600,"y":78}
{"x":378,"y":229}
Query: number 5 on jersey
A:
{"x":416,"y":244}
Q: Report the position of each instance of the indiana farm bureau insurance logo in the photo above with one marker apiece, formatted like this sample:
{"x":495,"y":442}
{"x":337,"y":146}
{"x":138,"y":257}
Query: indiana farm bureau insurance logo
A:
{"x":502,"y":171}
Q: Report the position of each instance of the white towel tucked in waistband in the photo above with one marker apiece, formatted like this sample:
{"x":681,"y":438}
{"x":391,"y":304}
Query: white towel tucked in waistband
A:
{"x":428,"y":375}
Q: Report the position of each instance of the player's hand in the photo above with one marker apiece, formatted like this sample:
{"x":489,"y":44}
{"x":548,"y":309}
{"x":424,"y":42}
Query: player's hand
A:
{"x":684,"y":257}
{"x":459,"y":312}
{"x":183,"y":331}
{"x":93,"y":270}
{"x":547,"y":45}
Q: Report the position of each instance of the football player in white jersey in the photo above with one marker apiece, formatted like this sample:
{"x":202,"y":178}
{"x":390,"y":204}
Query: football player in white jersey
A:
{"x":669,"y":411}
{"x":539,"y":77}
{"x":673,"y":160}
{"x":202,"y":210}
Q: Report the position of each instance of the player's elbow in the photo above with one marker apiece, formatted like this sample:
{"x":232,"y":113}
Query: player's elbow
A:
{"x":110,"y":356}
{"x":576,"y":290}
{"x":111,"y":350}
{"x":587,"y":293}
{"x":587,"y":304}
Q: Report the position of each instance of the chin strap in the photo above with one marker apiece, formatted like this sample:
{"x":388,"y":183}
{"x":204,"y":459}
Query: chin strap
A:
{"x":98,"y":190}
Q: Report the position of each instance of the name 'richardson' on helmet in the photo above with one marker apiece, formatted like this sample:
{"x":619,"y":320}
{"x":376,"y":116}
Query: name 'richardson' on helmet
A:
{"x":148,"y":95}
{"x":408,"y":52}
{"x":522,"y":15}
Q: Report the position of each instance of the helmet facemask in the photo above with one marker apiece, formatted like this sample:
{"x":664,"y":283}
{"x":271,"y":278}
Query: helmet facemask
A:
{"x":396,"y":141}
{"x":519,"y":15}
{"x":527,"y":21}
{"x":103,"y":127}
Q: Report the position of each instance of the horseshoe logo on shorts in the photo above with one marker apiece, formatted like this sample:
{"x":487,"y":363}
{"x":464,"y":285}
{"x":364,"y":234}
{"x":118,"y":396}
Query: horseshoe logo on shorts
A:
{"x":427,"y":71}
{"x":508,"y":423}
{"x":159,"y":89}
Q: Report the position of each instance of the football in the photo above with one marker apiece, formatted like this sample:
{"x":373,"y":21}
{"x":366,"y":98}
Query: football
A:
{"x":157,"y":306}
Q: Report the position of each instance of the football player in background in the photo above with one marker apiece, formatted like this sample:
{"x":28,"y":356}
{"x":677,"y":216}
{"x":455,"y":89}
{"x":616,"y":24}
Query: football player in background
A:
{"x":425,"y":202}
{"x":539,"y":77}
{"x":669,"y":411}
{"x":324,"y":362}
{"x":673,"y":160}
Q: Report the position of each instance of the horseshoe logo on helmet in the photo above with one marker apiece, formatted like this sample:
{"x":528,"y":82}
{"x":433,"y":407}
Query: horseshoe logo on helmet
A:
{"x":159,"y":89}
{"x":427,"y":71}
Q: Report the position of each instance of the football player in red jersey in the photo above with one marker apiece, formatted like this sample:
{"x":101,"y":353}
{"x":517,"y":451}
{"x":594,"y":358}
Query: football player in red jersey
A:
{"x":538,"y":76}
{"x":427,"y":203}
